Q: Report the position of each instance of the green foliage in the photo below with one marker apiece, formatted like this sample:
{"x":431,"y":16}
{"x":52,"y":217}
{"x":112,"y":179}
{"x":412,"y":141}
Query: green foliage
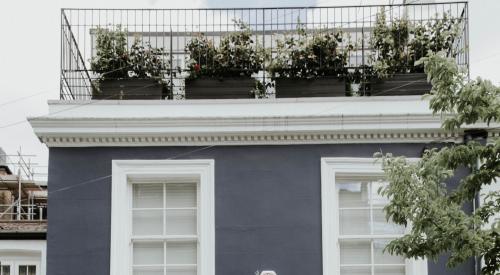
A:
{"x":111,"y":59}
{"x":114,"y":60}
{"x":461,"y":102}
{"x":390,"y":45}
{"x":202,"y":54}
{"x":237,"y":55}
{"x":147,"y":61}
{"x":435,"y":36}
{"x":398,"y":45}
{"x":308,"y":56}
{"x":418,"y":193}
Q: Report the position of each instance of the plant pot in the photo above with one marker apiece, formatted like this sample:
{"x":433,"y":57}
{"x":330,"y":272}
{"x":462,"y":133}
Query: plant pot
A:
{"x":315,"y":87}
{"x":402,"y":84}
{"x":219,"y":88}
{"x":131,"y":88}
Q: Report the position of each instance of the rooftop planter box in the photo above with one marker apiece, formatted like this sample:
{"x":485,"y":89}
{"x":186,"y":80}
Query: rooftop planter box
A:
{"x":397,"y":48}
{"x":329,"y":86}
{"x":130,"y":88}
{"x":402,"y":84}
{"x":135,"y":73}
{"x":310,"y":65}
{"x":224,"y":71}
{"x":220,"y":88}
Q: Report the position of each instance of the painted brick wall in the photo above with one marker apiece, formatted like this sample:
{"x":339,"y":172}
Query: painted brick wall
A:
{"x":268,"y":208}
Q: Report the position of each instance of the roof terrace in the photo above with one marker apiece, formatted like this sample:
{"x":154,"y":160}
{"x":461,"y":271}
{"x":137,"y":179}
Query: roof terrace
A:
{"x":176,"y":54}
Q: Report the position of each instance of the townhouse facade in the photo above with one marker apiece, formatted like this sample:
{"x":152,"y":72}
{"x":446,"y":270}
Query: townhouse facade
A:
{"x":210,"y":175}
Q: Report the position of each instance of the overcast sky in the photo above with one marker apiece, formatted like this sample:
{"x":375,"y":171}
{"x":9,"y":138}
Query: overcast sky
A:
{"x":30,"y":57}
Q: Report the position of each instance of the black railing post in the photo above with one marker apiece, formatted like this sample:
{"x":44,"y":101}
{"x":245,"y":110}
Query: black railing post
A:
{"x":171,"y":63}
{"x":264,"y":49}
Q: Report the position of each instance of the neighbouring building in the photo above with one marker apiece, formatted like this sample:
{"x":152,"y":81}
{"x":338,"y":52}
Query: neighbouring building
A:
{"x":168,"y":164}
{"x":23,"y":218}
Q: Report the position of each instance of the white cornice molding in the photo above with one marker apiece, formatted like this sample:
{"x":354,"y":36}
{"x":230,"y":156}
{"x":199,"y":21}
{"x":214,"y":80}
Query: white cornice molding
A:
{"x":240,"y":122}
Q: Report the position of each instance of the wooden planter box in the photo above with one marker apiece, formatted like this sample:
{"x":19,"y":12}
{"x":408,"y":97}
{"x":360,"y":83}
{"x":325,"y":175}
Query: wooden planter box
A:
{"x":402,"y":84}
{"x":132,"y":88}
{"x":220,"y":88}
{"x":316,"y":87}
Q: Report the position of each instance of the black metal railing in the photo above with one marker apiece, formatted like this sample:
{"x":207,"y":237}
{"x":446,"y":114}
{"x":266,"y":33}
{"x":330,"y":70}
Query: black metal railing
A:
{"x":173,"y":29}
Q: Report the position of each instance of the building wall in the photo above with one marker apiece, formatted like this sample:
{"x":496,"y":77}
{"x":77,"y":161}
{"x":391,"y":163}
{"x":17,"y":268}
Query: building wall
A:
{"x":267,"y":205}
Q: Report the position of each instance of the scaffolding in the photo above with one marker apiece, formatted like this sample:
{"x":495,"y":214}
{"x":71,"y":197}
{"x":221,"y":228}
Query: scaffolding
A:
{"x":23,"y":195}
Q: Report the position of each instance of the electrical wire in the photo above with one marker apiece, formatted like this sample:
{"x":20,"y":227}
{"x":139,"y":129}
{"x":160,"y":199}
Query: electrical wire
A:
{"x":211,"y":146}
{"x":23,"y":98}
{"x":108,"y":176}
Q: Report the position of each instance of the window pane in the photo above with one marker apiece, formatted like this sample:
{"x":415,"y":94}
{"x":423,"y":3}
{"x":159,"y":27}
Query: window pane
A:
{"x":148,"y":253}
{"x":354,"y":222}
{"x":147,"y":222}
{"x":378,"y":200}
{"x":381,"y":226}
{"x":148,"y":196}
{"x":381,"y":257}
{"x":148,"y":271}
{"x":31,"y":270}
{"x":181,"y":222}
{"x":355,"y":252}
{"x":181,"y":195}
{"x":5,"y":270}
{"x":389,"y":270}
{"x":181,"y":253}
{"x":27,"y":270}
{"x":355,"y":271}
{"x":353,"y":194}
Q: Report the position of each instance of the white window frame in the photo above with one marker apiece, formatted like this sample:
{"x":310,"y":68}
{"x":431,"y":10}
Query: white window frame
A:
{"x":125,"y":172}
{"x":28,"y":248}
{"x":331,"y":169}
{"x":14,"y":266}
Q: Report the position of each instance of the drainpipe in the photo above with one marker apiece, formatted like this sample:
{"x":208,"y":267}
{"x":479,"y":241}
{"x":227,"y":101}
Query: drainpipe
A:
{"x":480,"y":136}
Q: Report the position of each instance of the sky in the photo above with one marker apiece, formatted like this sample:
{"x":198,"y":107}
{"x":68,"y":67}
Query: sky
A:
{"x":30,"y":53}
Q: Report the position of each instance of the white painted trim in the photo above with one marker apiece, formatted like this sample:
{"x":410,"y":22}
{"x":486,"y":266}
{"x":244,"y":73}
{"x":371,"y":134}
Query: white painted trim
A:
{"x":240,"y":122}
{"x":27,"y":246}
{"x":124,"y":170}
{"x":331,"y":168}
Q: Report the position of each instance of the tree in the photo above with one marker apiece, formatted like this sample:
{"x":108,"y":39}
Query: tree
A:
{"x":417,"y":191}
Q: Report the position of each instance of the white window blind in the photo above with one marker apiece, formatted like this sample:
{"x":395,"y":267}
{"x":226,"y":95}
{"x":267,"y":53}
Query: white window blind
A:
{"x":364,"y":231}
{"x":164,"y":229}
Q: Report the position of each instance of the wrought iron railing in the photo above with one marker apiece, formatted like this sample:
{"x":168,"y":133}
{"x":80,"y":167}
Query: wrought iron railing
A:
{"x":172,"y":29}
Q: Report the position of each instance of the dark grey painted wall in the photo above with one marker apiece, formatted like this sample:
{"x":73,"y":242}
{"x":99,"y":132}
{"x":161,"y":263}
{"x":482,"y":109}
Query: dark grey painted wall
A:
{"x":267,"y":208}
